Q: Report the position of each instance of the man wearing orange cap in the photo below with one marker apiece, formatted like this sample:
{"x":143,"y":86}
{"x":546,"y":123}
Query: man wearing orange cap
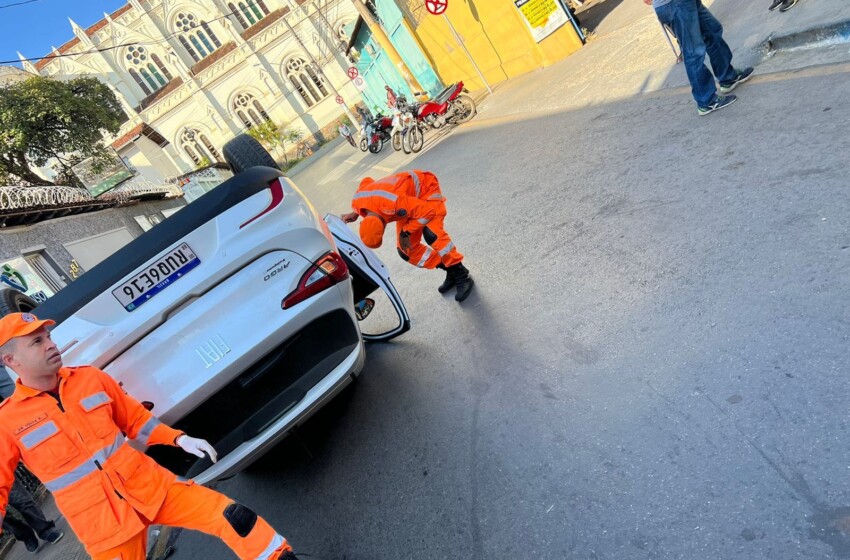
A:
{"x":414,"y":201}
{"x":71,"y":427}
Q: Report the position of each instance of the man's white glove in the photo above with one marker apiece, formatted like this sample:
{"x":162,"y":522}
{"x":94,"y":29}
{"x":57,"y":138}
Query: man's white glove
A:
{"x":196,"y":447}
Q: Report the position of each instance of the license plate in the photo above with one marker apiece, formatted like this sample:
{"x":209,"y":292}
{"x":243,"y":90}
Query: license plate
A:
{"x":156,"y":277}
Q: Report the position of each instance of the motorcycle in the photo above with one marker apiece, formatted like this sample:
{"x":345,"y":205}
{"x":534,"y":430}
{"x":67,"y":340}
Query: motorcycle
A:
{"x":451,"y":106}
{"x":408,"y":131}
{"x":380,"y":133}
{"x":365,"y":134}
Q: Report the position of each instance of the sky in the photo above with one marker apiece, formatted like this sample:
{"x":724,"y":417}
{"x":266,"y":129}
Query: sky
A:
{"x":33,"y":27}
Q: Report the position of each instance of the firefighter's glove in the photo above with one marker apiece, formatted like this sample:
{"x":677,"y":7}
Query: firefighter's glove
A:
{"x":197,"y":447}
{"x":404,"y":241}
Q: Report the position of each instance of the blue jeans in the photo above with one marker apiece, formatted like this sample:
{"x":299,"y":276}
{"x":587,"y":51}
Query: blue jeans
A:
{"x":698,"y":33}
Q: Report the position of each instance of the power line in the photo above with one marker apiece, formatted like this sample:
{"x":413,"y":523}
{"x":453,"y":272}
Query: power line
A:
{"x":164,"y":40}
{"x":18,"y":4}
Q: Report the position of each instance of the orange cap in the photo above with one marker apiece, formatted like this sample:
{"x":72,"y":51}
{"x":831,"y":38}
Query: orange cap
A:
{"x":20,"y":324}
{"x":366,"y":182}
{"x":372,"y":231}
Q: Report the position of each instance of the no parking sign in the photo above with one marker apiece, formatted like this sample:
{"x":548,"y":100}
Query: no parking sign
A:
{"x":436,"y":7}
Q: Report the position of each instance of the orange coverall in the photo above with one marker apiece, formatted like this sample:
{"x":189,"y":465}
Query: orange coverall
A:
{"x":412,"y":199}
{"x":109,"y":492}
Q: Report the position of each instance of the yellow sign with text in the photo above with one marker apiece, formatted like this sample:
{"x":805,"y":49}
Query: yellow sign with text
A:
{"x":542,"y":16}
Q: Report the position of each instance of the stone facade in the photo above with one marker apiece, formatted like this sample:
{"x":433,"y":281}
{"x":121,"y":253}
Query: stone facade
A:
{"x":199,"y":73}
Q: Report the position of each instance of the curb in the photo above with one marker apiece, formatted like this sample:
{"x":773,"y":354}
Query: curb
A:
{"x":823,"y":36}
{"x":304,"y":164}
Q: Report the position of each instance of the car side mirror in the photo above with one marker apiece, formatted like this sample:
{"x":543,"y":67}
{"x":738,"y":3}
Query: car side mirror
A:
{"x":363,"y":307}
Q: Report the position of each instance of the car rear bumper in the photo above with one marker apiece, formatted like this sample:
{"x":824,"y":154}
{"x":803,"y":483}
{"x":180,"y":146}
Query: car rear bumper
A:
{"x":251,"y":450}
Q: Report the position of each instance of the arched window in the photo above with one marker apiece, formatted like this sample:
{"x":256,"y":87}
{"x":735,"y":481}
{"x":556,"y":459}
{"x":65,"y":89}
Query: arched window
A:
{"x":146,"y":69}
{"x":248,"y":12}
{"x":197,"y":146}
{"x":139,"y":82}
{"x":195,"y":35}
{"x":249,"y":111}
{"x":306,"y":81}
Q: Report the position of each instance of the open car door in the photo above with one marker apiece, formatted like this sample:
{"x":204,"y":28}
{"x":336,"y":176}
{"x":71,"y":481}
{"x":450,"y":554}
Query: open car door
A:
{"x":368,"y":274}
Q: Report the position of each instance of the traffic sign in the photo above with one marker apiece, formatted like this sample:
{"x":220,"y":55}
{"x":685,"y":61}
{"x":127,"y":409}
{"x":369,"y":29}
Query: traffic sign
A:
{"x":359,"y":83}
{"x":436,"y":7}
{"x":353,"y":73}
{"x":339,"y":99}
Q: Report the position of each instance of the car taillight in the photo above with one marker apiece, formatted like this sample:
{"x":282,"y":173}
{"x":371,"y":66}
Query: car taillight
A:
{"x":328,"y":271}
{"x":276,"y":188}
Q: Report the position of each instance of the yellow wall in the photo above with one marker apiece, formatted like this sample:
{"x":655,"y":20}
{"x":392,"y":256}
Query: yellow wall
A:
{"x":496,"y":36}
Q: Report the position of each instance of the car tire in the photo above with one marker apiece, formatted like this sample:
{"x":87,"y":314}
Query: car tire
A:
{"x":245,"y":152}
{"x":13,"y":301}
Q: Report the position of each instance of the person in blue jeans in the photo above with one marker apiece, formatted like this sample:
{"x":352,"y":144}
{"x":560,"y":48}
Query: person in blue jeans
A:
{"x":699,"y":33}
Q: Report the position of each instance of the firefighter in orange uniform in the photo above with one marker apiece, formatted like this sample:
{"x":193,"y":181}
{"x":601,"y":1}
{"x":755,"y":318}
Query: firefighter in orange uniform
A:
{"x":71,"y":427}
{"x":414,"y":201}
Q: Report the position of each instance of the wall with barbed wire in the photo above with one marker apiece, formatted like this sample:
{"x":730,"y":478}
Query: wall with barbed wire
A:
{"x":51,"y":235}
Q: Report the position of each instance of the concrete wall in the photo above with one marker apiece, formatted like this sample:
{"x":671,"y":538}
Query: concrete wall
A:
{"x":53,"y":234}
{"x":498,"y":39}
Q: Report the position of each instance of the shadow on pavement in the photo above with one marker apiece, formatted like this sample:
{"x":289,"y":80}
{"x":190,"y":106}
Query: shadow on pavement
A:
{"x":591,"y":16}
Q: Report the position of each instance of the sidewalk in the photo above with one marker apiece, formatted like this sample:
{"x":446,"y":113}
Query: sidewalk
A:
{"x":627,"y":59}
{"x":69,"y":548}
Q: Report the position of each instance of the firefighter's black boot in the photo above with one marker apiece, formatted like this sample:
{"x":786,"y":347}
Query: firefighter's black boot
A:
{"x":463,"y":282}
{"x":449,"y":282}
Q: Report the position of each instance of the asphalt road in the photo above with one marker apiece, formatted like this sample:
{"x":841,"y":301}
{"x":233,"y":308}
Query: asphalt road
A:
{"x":653,"y":364}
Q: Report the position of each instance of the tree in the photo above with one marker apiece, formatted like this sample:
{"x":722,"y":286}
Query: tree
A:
{"x":266,"y":134}
{"x":41,"y":118}
{"x":271,"y":136}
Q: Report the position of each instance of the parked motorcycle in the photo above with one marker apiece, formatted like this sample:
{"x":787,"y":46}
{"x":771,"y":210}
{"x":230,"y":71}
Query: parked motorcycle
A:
{"x":451,"y":106}
{"x":365,"y":134}
{"x":380,"y":133}
{"x":408,"y":132}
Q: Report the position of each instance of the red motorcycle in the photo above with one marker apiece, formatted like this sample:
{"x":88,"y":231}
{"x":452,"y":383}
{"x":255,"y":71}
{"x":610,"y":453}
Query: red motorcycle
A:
{"x":381,"y":128}
{"x":451,"y":105}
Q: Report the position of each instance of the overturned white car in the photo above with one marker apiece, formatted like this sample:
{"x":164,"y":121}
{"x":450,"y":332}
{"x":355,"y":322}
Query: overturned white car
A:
{"x":234,"y":319}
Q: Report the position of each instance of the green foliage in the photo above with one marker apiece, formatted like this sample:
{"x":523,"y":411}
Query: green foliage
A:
{"x":272,"y":136}
{"x":42,"y":118}
{"x":266,"y":134}
{"x":293,"y":136}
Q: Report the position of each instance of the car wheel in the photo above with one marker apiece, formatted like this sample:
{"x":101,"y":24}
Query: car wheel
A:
{"x":13,"y":301}
{"x":245,"y":152}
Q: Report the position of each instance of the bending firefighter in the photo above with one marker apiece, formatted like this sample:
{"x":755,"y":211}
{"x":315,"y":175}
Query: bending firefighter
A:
{"x":71,"y":427}
{"x":413,"y":200}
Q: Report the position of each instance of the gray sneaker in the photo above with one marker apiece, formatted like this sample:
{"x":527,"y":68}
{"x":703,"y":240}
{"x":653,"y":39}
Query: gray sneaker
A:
{"x":741,"y":76}
{"x":719,"y":102}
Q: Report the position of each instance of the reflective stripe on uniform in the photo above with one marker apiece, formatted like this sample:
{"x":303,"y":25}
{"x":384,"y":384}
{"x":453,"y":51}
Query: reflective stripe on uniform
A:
{"x":425,"y":257}
{"x":144,"y":434}
{"x":435,"y":196}
{"x":382,"y":194}
{"x":75,"y":475}
{"x":276,"y":542}
{"x":423,"y":221}
{"x":39,"y":434}
{"x":444,"y":251}
{"x":93,"y":401}
{"x":415,"y":178}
